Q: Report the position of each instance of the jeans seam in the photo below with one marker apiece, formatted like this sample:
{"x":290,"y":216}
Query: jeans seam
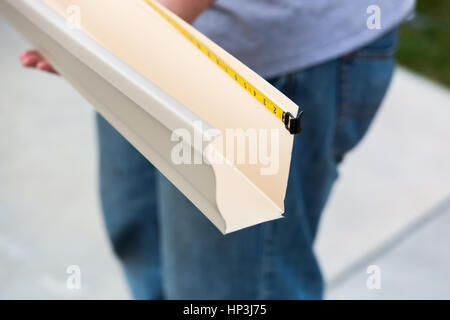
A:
{"x":341,"y":86}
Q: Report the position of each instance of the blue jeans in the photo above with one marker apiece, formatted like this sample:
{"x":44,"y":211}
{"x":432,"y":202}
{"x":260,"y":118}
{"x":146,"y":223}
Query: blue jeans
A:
{"x":170,"y":250}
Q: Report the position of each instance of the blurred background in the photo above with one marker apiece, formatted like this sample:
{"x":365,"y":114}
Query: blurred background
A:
{"x":389,"y":209}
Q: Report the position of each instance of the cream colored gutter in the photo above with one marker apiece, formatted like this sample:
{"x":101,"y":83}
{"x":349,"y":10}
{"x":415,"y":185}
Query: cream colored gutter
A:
{"x":231,"y":196}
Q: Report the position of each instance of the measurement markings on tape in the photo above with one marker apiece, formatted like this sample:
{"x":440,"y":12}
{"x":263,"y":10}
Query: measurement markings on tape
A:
{"x":291,"y":123}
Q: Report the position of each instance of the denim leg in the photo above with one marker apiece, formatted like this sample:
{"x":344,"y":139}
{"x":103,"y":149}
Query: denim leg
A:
{"x":128,"y":197}
{"x":198,"y":261}
{"x":276,"y":260}
{"x":364,"y":78}
{"x":273,"y":260}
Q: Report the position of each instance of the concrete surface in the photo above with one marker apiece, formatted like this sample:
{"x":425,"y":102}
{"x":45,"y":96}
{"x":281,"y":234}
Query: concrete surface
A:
{"x":390,"y":207}
{"x":399,"y":172}
{"x":49,"y":209}
{"x":414,"y":264}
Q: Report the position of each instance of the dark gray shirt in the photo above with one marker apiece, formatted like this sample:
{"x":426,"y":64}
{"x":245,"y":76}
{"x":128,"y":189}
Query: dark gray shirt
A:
{"x":274,"y":37}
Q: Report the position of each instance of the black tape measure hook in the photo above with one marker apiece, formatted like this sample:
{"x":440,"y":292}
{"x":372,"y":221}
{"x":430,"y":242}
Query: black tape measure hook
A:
{"x":292,"y":123}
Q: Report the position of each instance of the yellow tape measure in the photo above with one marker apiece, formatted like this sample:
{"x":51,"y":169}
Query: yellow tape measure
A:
{"x":291,"y":123}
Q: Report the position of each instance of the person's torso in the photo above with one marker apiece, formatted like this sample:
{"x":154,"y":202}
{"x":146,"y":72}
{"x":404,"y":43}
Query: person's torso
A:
{"x":274,"y":37}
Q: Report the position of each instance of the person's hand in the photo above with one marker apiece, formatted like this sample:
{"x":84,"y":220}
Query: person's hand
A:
{"x":32,"y":59}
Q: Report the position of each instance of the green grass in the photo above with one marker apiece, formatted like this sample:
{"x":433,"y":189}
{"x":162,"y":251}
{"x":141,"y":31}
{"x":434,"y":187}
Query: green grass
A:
{"x":424,"y":44}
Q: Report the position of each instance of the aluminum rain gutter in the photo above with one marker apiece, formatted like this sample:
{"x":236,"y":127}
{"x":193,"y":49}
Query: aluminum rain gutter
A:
{"x":142,"y":112}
